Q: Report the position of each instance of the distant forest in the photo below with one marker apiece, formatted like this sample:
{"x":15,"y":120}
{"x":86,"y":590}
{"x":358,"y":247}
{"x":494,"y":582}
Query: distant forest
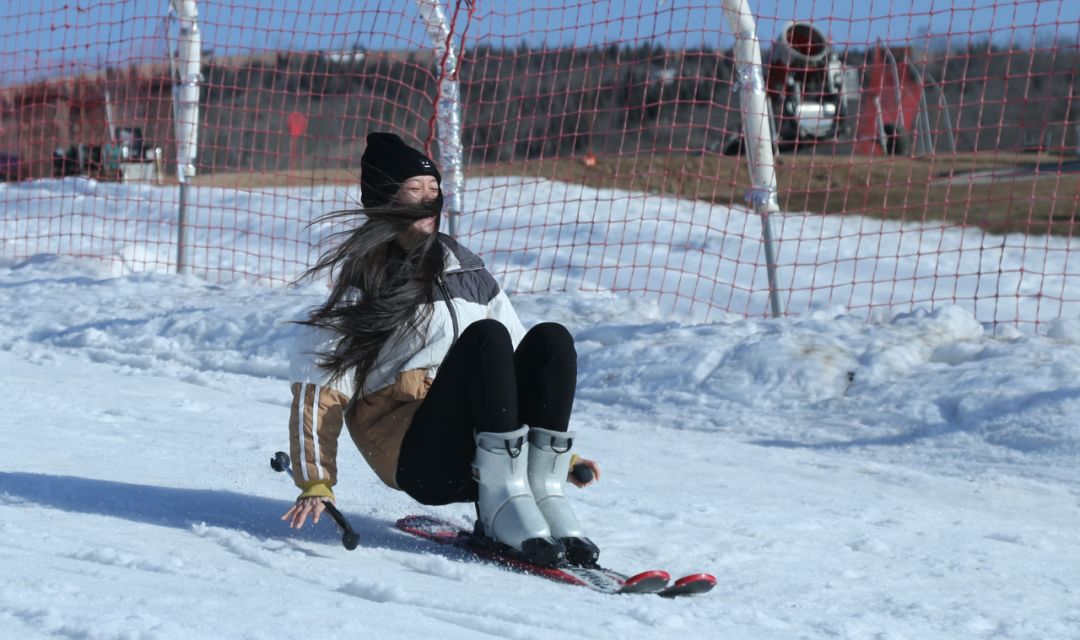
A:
{"x":522,"y":104}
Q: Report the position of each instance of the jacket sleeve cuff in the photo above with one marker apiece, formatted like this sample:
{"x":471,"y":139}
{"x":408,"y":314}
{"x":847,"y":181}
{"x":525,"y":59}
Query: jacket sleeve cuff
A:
{"x":316,"y":489}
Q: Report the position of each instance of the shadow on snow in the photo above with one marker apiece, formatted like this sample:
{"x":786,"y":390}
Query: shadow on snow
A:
{"x":182,"y":508}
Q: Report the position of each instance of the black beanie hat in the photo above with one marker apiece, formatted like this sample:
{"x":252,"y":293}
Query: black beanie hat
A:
{"x":386,"y":163}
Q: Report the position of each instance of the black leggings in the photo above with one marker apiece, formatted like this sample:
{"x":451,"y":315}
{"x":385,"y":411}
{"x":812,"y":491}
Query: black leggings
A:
{"x":483,"y":384}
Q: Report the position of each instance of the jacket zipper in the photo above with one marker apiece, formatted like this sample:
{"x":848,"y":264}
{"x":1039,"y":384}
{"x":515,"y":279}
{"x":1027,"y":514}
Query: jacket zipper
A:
{"x":449,"y":304}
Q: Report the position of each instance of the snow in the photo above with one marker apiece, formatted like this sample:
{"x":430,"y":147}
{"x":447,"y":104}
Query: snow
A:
{"x":911,"y":476}
{"x":576,"y":238}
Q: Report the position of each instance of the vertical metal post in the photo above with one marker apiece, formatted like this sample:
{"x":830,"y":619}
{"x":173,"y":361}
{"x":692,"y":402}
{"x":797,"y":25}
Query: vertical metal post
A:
{"x":447,"y":111}
{"x":943,"y":102}
{"x":186,"y":111}
{"x":757,"y":131}
{"x":879,"y":123}
{"x":927,"y":80}
{"x":181,"y":229}
{"x":110,"y":127}
{"x":890,"y":59}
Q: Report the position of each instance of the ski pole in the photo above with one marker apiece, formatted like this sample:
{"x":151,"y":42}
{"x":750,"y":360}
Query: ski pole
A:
{"x":349,"y":538}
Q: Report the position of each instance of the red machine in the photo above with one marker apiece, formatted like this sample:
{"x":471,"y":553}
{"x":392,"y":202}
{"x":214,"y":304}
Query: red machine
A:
{"x":816,"y":99}
{"x":890,"y":105}
{"x":809,"y":89}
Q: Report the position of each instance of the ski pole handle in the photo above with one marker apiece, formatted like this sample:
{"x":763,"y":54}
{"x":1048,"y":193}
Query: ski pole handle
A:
{"x":582,"y":473}
{"x":280,"y":462}
{"x":349,"y":538}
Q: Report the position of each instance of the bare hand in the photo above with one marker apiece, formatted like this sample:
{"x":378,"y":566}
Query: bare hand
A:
{"x":592,"y":466}
{"x":304,"y":507}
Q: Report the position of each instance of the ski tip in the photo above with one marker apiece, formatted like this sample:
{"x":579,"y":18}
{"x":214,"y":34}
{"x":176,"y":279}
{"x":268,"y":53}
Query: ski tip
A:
{"x":646,"y":582}
{"x":655,"y":574}
{"x":690,"y":585}
{"x":703,"y":578}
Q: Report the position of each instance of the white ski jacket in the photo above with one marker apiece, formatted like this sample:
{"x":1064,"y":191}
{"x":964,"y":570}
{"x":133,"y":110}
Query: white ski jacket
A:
{"x":464,"y":293}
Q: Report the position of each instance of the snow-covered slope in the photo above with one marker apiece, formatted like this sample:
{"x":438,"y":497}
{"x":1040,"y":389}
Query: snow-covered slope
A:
{"x":912,"y":477}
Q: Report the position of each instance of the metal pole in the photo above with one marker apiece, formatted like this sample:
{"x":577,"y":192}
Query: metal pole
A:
{"x":110,"y":128}
{"x":447,"y":111}
{"x":181,"y":231}
{"x":757,"y":131}
{"x":891,"y":61}
{"x":922,"y":116}
{"x":925,"y":80}
{"x":879,"y":122}
{"x":186,"y":111}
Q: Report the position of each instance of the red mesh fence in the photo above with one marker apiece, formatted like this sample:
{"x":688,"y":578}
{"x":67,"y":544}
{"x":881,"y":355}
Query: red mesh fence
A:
{"x":925,"y":155}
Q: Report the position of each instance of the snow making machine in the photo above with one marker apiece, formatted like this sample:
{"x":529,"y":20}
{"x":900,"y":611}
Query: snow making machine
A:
{"x":810,"y":91}
{"x":816,"y":98}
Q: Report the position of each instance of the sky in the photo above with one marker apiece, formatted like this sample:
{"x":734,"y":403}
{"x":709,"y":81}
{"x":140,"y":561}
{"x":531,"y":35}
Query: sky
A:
{"x":77,"y":30}
{"x":910,"y":475}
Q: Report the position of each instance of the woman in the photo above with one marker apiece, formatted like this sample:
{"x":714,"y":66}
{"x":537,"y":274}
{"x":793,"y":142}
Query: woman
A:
{"x":419,"y":354}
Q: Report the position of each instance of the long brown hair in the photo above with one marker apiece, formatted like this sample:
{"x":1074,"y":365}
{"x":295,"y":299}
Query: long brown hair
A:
{"x":383,"y":275}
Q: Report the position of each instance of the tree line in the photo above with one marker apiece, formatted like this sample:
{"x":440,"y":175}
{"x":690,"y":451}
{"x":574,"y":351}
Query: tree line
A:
{"x":525,"y":103}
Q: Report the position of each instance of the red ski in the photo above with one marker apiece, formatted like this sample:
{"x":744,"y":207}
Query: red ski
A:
{"x":595,"y":578}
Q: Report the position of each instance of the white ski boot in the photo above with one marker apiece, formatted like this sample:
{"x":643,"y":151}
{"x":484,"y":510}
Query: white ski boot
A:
{"x":549,"y":463}
{"x":506,"y":508}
